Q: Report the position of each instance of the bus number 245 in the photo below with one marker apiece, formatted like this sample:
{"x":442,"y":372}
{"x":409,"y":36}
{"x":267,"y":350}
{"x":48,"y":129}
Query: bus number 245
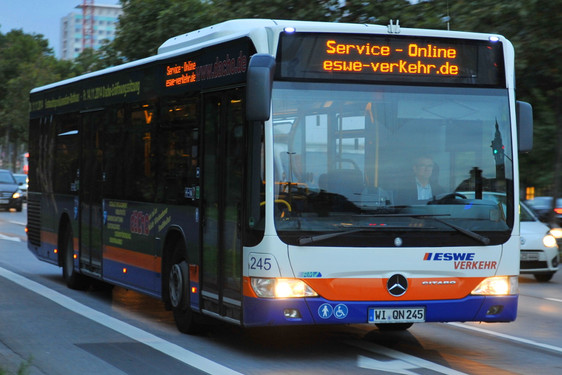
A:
{"x":259,"y":263}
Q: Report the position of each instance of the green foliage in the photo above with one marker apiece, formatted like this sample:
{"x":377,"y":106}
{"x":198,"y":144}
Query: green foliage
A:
{"x":26,"y":62}
{"x":311,"y":10}
{"x":146,"y":24}
{"x":378,"y":11}
{"x":23,"y":368}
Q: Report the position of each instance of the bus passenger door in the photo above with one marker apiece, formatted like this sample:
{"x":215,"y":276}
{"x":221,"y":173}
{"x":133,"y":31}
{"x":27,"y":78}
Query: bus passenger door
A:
{"x":223,"y":180}
{"x":91,"y":216}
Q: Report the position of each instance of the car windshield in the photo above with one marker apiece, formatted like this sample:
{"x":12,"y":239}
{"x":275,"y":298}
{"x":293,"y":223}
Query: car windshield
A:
{"x":6,"y":178}
{"x":364,"y":159}
{"x":21,"y":178}
{"x":526,"y":214}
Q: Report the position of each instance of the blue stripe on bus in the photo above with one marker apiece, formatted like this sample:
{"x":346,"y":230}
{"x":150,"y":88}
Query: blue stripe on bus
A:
{"x":260,"y":312}
{"x":135,"y":277}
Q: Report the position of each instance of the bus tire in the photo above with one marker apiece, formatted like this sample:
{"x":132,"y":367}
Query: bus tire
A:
{"x":543,"y":277}
{"x":74,"y":280}
{"x":179,"y":293}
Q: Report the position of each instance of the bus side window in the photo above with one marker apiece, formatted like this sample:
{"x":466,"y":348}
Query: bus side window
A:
{"x":178,"y":152}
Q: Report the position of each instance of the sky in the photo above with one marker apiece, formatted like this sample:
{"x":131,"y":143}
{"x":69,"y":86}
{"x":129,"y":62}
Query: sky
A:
{"x":39,"y":17}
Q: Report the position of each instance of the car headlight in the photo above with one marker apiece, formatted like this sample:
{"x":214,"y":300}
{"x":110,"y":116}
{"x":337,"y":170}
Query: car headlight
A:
{"x":16,"y":195}
{"x":549,"y":241}
{"x":281,"y":288}
{"x":497,"y":286}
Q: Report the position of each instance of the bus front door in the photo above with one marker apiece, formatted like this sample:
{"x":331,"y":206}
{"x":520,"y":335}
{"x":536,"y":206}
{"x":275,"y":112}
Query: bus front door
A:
{"x":91,"y":217}
{"x":223,"y":180}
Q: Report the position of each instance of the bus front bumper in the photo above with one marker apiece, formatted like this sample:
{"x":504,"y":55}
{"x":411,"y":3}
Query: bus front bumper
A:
{"x":313,"y":311}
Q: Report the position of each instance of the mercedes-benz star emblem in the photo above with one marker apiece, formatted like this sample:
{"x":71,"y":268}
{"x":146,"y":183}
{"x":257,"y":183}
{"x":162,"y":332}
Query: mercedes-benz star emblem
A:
{"x":397,"y":285}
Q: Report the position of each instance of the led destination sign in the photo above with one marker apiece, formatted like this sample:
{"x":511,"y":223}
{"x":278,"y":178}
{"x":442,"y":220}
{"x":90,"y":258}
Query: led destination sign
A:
{"x":391,"y":58}
{"x":425,"y":59}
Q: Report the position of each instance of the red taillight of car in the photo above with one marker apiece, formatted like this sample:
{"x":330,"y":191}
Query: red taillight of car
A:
{"x":558,"y":211}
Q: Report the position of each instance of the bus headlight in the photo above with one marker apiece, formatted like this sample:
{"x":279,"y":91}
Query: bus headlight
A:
{"x":549,"y":241}
{"x":281,"y":288}
{"x":497,"y":286}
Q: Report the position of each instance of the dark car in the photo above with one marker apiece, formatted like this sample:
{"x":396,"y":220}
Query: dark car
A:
{"x":542,"y":207}
{"x":10,"y":193}
{"x":22,"y":181}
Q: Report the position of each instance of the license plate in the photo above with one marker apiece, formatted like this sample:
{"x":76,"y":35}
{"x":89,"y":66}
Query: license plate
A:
{"x":397,"y":315}
{"x":529,"y":255}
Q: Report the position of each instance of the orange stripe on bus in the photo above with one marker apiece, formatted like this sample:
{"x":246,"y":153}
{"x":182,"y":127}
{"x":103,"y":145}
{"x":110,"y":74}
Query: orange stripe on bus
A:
{"x":133,"y":258}
{"x":49,"y":237}
{"x":373,"y":289}
{"x":129,"y":257}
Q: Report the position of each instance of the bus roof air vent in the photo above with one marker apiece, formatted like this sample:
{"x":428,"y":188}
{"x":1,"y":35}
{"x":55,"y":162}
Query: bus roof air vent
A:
{"x":394,"y":28}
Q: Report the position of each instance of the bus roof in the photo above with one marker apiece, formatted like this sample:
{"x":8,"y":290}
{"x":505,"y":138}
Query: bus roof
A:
{"x":254,"y":28}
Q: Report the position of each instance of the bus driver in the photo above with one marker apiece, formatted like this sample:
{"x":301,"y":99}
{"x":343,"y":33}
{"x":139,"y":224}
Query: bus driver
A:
{"x":422,"y":187}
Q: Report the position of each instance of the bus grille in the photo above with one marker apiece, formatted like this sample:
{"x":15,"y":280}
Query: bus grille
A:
{"x":34,"y":219}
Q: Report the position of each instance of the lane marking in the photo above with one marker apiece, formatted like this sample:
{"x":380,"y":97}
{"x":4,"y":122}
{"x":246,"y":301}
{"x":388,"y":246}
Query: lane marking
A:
{"x":137,"y":334}
{"x":395,"y":366}
{"x":9,"y":238}
{"x":554,"y":299}
{"x":400,"y":366}
{"x":508,"y":337}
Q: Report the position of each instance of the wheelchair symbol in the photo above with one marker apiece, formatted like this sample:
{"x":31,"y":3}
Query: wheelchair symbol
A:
{"x":340,"y":311}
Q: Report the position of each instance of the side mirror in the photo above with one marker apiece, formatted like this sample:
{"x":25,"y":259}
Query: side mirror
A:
{"x":259,"y":86}
{"x":524,"y":113}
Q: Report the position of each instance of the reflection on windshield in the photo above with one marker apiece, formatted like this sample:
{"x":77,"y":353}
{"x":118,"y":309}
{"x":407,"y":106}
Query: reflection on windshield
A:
{"x":344,"y":153}
{"x":6,"y":178}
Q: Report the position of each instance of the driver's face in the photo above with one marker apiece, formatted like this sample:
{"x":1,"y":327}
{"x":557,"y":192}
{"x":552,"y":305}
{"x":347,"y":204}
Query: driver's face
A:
{"x":423,"y":168}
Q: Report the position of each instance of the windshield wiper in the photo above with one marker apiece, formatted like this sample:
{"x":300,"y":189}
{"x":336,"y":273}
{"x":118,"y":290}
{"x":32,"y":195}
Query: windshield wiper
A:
{"x":467,"y":232}
{"x":320,"y":237}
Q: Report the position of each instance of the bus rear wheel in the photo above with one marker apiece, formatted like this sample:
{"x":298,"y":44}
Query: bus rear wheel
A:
{"x":74,"y":280}
{"x":178,"y":287}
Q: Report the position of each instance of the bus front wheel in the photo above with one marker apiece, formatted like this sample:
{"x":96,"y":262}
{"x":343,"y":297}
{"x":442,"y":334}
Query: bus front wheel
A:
{"x":178,"y":286}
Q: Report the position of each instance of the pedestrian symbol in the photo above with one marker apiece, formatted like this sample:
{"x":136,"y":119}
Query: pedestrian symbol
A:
{"x":325,"y":311}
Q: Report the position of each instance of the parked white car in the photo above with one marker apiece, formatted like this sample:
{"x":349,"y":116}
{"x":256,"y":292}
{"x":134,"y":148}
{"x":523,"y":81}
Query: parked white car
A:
{"x":539,"y":248}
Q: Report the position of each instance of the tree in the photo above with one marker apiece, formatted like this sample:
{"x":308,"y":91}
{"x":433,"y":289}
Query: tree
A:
{"x":311,"y":10}
{"x":378,"y":12}
{"x":146,"y":24}
{"x":26,"y":62}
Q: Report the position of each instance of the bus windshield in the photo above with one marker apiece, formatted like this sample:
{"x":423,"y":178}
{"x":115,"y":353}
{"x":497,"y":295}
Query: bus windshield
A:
{"x":381,"y":165}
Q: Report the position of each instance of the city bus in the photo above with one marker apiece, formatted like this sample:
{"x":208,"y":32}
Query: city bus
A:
{"x":253,"y":172}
